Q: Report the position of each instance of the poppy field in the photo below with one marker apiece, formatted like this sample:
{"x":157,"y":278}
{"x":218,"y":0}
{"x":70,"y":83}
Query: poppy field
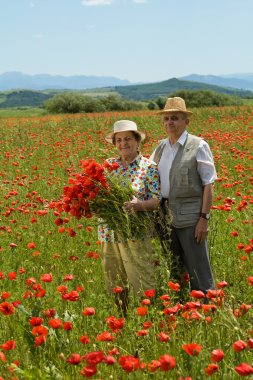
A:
{"x":56,"y":319}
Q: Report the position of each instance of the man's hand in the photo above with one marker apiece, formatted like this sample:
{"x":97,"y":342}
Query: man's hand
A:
{"x":201,"y":230}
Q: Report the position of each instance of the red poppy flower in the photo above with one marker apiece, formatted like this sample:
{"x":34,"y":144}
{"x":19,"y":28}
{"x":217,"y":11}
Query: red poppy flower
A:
{"x":141,"y":311}
{"x":117,"y":289}
{"x":74,"y":359}
{"x":2,"y":358}
{"x":198,"y":294}
{"x":217,"y":355}
{"x":142,"y":332}
{"x":50,"y":313}
{"x":211,"y":369}
{"x":192,"y":349}
{"x":9,"y":345}
{"x":114,"y":323}
{"x":40,"y":330}
{"x":39,"y":340}
{"x":31,"y":245}
{"x":146,"y":325}
{"x":150,"y":293}
{"x":12,"y":275}
{"x":88,"y":371}
{"x":55,"y":323}
{"x":7,"y":308}
{"x":154,"y":365}
{"x":163,"y":337}
{"x":222,"y":284}
{"x":174,"y":286}
{"x":73,"y":296}
{"x":104,"y":337}
{"x":89,"y":311}
{"x":5,"y":295}
{"x":239,"y":345}
{"x":36,"y":321}
{"x":250,"y":343}
{"x":165,"y":297}
{"x":244,"y":369}
{"x":67,"y":326}
{"x":47,"y":277}
{"x":109,"y":360}
{"x":146,"y":302}
{"x":129,"y":363}
{"x":93,"y":358}
{"x":84,"y":339}
{"x":62,"y":289}
{"x":68,"y":277}
{"x":167,"y":362}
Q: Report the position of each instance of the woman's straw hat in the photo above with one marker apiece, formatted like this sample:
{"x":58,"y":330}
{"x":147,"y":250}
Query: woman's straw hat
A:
{"x":123,"y":126}
{"x":175,"y":104}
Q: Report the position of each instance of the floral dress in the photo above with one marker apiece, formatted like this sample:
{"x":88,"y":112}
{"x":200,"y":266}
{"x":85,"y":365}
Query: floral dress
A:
{"x":143,"y":173}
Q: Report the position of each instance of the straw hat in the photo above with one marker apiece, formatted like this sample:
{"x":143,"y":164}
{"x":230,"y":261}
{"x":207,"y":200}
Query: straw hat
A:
{"x":124,"y":126}
{"x":175,"y":104}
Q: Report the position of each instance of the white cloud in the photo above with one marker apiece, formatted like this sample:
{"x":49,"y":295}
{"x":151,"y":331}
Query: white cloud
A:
{"x":96,"y":2}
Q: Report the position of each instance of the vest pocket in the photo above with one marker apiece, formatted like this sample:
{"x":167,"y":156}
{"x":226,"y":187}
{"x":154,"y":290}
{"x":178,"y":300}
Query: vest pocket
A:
{"x":187,"y":209}
{"x":183,"y":176}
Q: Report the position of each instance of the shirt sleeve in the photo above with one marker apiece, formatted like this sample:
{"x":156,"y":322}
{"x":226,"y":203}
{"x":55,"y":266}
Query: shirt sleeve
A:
{"x":152,"y":156}
{"x":153,"y":189}
{"x":205,"y":161}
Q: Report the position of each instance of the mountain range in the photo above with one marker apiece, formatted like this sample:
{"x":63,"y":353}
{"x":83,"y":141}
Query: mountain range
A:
{"x":17,"y":80}
{"x":239,"y":81}
{"x":33,"y":90}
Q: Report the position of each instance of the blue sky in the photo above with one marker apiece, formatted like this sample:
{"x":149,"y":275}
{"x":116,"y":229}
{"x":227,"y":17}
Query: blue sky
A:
{"x":138,"y":40}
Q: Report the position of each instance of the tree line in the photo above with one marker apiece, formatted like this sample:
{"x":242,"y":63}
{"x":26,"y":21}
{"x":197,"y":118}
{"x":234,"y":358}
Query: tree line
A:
{"x":76,"y":102}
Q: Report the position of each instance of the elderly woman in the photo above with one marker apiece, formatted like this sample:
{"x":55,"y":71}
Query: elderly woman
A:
{"x":130,"y":263}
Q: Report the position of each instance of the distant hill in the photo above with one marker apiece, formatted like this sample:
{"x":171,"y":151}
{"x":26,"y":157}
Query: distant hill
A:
{"x":16,"y":80}
{"x":138,"y":92}
{"x":23,"y":98}
{"x":154,"y":90}
{"x":239,"y":81}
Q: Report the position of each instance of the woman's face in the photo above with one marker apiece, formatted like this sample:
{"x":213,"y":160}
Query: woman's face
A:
{"x":126,"y":144}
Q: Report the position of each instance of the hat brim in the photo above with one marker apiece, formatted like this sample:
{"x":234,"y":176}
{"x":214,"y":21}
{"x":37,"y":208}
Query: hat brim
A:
{"x":189,"y":113}
{"x":109,"y":138}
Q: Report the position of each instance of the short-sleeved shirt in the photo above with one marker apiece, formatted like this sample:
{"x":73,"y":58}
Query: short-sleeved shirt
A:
{"x":143,"y":173}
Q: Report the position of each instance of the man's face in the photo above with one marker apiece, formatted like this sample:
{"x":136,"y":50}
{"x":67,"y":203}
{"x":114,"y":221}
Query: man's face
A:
{"x":175,"y":123}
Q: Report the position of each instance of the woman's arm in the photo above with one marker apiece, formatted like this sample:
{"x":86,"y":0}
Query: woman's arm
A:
{"x":136,"y":205}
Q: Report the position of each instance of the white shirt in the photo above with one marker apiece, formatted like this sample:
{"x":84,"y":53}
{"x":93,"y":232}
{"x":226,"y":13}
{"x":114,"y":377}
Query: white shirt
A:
{"x":206,"y":168}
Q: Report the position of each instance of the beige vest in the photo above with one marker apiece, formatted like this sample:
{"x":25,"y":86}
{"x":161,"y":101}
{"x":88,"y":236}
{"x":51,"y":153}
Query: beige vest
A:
{"x":186,"y":189}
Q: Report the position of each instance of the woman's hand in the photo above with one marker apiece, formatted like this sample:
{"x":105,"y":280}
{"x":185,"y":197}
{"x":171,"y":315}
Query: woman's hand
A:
{"x":136,"y":205}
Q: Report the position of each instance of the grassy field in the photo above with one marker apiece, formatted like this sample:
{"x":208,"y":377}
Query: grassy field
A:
{"x":56,"y":319}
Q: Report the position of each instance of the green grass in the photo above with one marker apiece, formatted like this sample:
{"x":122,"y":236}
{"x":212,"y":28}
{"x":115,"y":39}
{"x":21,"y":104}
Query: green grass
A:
{"x":38,"y":155}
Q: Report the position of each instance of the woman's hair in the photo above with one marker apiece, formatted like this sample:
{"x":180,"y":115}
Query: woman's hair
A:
{"x":135,"y":134}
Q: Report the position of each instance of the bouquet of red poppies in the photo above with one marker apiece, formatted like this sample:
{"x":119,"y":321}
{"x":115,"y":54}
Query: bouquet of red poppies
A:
{"x":96,"y":191}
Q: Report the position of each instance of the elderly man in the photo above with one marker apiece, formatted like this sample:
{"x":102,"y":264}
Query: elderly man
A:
{"x":187,"y":174}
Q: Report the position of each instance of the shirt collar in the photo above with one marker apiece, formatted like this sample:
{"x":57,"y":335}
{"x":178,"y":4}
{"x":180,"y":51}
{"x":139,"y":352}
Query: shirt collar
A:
{"x":135,"y":161}
{"x":181,"y":139}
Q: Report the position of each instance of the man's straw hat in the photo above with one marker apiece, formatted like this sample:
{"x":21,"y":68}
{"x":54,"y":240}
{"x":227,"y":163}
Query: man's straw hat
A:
{"x":175,"y":104}
{"x":124,"y":126}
